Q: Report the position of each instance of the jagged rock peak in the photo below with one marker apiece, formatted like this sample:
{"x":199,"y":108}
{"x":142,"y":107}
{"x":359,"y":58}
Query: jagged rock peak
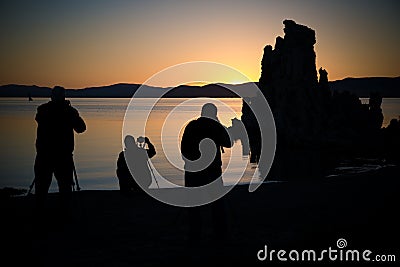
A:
{"x":297,"y":34}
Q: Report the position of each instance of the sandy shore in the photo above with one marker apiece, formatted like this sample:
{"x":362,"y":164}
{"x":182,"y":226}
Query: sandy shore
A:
{"x":108,"y":229}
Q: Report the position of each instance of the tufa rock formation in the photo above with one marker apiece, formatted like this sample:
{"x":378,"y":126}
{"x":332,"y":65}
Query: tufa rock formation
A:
{"x":290,"y":84}
{"x":307,"y":115}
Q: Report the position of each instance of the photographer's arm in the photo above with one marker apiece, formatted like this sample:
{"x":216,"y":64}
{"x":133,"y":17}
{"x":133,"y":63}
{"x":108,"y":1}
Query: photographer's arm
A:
{"x":77,"y":122}
{"x":151,"y":151}
{"x":225,"y":139}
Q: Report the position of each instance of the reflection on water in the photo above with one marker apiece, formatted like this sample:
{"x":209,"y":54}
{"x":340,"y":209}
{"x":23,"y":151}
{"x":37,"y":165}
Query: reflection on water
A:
{"x":97,"y":149}
{"x":359,"y":165}
{"x":390,"y":108}
{"x":165,"y":126}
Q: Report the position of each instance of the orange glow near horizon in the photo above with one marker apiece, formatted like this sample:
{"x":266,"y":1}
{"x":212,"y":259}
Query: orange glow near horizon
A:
{"x":103,"y":43}
{"x":195,"y":83}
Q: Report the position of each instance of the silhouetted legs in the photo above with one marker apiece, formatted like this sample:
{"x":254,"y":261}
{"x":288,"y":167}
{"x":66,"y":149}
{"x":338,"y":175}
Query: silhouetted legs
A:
{"x":255,"y":146}
{"x":198,"y":216}
{"x":218,"y":212}
{"x":43,"y":174}
{"x":62,"y":167}
{"x":64,"y":176}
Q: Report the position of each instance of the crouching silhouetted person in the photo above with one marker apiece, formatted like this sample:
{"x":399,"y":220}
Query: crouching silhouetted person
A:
{"x":56,"y":120}
{"x":136,"y":155}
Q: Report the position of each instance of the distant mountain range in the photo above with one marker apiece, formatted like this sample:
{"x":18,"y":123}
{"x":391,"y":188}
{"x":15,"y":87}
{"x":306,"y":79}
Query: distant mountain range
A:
{"x":362,"y":87}
{"x":123,"y":90}
{"x":388,"y":87}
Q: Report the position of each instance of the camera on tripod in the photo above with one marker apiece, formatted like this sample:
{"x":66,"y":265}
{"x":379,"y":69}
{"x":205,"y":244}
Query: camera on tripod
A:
{"x":141,"y":141}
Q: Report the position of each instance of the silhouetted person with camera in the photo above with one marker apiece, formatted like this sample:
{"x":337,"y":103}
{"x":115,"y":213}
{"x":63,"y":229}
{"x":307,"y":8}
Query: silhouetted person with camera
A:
{"x":137,"y":155}
{"x":206,"y":128}
{"x":57,"y":120}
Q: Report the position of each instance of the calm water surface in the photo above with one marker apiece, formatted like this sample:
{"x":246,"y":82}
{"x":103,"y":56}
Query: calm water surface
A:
{"x":97,"y":149}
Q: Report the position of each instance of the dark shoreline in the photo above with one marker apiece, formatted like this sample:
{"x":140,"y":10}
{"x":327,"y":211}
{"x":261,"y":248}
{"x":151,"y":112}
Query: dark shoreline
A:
{"x":108,"y":229}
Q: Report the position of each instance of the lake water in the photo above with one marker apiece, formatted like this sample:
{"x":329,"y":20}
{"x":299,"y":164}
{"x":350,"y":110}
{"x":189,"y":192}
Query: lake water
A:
{"x":97,"y":149}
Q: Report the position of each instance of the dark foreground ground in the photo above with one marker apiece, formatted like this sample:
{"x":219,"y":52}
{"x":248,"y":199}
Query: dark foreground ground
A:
{"x":107,"y":229}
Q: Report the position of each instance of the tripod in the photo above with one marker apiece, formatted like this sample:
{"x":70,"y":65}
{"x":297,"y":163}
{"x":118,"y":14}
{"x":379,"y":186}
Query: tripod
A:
{"x":152,"y":173}
{"x":141,"y":144}
{"x":78,"y":188}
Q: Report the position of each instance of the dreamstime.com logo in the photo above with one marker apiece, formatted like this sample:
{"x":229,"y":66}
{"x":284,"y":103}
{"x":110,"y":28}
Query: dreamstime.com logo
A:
{"x":330,"y":254}
{"x":138,"y":117}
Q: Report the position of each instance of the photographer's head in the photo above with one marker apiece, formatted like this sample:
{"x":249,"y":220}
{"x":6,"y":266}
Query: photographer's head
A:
{"x":58,"y":94}
{"x":129,"y":141}
{"x":209,"y":110}
{"x":141,"y":139}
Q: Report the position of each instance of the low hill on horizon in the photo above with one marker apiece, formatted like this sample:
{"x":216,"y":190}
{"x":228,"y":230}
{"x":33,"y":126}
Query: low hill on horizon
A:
{"x":121,"y":90}
{"x":362,"y":87}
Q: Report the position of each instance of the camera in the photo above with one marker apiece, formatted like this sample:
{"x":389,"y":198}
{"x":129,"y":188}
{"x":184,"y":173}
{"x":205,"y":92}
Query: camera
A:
{"x":238,"y":132}
{"x":141,"y":142}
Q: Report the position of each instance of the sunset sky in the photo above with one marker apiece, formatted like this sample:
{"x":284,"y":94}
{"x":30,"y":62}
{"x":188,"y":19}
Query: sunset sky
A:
{"x":91,"y":43}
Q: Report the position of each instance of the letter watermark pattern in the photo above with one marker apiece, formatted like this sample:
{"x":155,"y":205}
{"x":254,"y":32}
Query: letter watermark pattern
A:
{"x":331,"y":254}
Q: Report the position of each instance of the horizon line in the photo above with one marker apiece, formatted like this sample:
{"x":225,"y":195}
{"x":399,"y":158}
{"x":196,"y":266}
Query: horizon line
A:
{"x":190,"y":85}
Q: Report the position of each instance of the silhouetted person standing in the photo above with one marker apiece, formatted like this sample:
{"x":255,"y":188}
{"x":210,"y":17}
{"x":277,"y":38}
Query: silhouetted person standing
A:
{"x":207,"y":127}
{"x":137,"y":155}
{"x":56,"y":120}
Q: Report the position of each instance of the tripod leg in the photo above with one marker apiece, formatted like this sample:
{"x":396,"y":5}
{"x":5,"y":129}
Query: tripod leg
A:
{"x":78,"y":188}
{"x":151,"y":169}
{"x":31,"y":186}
